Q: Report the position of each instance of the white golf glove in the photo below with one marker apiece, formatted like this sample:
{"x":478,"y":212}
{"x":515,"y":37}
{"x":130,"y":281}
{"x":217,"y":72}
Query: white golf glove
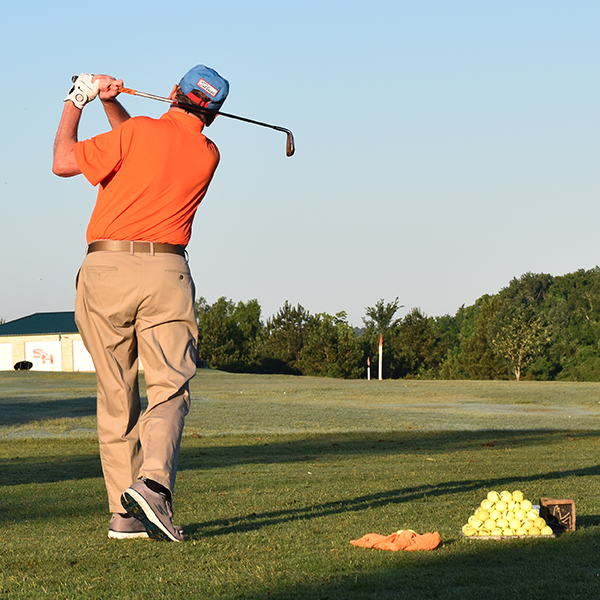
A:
{"x":83,"y":90}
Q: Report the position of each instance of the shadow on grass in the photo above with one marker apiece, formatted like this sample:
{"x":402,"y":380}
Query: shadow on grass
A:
{"x":195,"y":456}
{"x":42,"y":461}
{"x":588,"y":520}
{"x":199,"y":453}
{"x":15,"y":411}
{"x":256,"y":521}
{"x":564,"y":568}
{"x":46,"y":461}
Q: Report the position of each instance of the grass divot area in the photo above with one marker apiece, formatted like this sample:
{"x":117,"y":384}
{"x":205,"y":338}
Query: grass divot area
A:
{"x":270,"y":514}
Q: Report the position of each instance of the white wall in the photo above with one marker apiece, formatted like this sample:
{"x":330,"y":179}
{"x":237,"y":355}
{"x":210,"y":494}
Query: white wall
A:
{"x":6,"y":361}
{"x":82,"y":361}
{"x":45,"y":355}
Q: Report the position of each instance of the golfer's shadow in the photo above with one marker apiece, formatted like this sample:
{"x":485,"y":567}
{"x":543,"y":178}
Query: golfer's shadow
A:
{"x":256,"y":521}
{"x":19,"y":412}
{"x":588,"y":520}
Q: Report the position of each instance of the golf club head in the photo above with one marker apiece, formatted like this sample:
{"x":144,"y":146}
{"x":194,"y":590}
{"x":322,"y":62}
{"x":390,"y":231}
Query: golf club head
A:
{"x":290,"y":147}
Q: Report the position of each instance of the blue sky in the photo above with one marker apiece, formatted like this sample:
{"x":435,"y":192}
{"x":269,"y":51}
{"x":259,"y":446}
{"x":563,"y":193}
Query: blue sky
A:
{"x":443,"y":147}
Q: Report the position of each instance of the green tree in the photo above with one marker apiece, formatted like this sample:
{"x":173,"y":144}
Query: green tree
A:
{"x":538,"y":326}
{"x":477,"y":358}
{"x":229,"y":333}
{"x":331,"y":348}
{"x":420,"y":345}
{"x":529,"y":291}
{"x":380,"y":321}
{"x":247,"y":318}
{"x":284,"y":336}
{"x":518,"y":336}
{"x":573,"y":317}
{"x":217,"y":332}
{"x":380,"y":317}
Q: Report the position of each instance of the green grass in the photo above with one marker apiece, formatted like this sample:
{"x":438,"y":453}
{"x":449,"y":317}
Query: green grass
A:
{"x":63,"y":404}
{"x":278,"y":474}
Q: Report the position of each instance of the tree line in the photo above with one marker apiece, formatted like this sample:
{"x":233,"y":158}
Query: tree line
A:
{"x":539,"y":327}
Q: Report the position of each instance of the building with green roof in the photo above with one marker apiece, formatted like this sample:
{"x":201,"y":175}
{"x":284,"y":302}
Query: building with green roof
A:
{"x":50,"y":341}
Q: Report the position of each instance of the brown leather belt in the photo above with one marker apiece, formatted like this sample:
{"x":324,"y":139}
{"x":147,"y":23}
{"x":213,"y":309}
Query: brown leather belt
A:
{"x":135,"y":247}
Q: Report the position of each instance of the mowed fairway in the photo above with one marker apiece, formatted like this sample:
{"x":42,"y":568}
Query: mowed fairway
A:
{"x":278,"y":474}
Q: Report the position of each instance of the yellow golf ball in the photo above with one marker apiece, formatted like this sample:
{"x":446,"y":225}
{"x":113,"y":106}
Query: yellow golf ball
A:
{"x":518,"y":495}
{"x":526,"y":505}
{"x":482,"y":514}
{"x":520,"y":514}
{"x":493,"y":496}
{"x":527,"y":524}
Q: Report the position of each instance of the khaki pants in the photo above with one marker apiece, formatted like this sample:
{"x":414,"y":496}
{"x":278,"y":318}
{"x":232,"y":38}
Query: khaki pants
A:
{"x":131,"y":305}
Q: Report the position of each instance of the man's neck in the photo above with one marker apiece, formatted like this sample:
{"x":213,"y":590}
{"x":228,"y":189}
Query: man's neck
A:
{"x":185,"y":112}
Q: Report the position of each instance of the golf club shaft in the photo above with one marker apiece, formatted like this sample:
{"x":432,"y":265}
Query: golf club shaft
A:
{"x":290,"y":146}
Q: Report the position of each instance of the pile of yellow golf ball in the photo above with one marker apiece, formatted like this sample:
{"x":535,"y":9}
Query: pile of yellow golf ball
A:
{"x":505,"y":514}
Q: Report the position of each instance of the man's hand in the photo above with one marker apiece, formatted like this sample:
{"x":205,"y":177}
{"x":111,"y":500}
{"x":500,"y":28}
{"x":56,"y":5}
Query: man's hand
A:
{"x":84,"y":90}
{"x":108,"y":87}
{"x":108,"y":90}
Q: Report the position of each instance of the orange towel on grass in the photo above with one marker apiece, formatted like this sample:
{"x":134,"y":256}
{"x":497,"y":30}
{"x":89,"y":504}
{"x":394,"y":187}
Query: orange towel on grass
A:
{"x":401,"y":540}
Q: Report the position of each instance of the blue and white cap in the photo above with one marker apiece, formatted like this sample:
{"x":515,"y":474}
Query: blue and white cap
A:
{"x":209,"y":82}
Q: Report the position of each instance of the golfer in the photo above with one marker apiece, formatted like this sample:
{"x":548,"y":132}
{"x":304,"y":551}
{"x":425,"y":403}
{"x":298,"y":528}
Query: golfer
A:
{"x":135,"y":293}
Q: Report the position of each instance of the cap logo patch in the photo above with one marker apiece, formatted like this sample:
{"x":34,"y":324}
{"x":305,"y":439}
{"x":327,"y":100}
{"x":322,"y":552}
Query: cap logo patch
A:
{"x":206,"y":87}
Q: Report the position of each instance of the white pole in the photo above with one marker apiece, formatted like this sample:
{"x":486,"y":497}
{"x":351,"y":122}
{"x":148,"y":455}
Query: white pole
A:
{"x":380,"y":356}
{"x":368,"y":368}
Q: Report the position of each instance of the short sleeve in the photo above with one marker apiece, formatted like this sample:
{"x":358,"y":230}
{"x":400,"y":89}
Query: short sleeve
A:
{"x":101,"y":156}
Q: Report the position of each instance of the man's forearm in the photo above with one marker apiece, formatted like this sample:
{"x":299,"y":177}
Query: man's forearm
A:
{"x":64,"y":163}
{"x":115,"y":112}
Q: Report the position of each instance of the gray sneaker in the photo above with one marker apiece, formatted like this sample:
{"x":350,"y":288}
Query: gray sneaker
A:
{"x":125,"y":528}
{"x":153,"y":510}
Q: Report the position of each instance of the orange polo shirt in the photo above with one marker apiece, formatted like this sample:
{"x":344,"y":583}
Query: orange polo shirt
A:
{"x":153,"y":174}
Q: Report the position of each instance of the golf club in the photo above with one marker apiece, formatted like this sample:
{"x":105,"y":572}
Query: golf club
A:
{"x":290,"y":146}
